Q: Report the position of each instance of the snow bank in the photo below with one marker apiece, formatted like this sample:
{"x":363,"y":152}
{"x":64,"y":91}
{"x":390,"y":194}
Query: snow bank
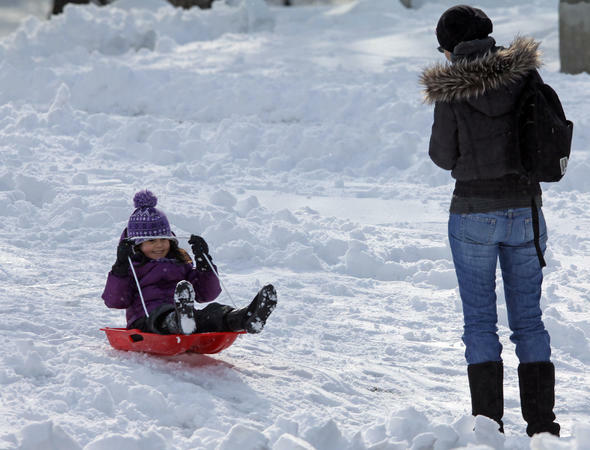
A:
{"x":104,"y":44}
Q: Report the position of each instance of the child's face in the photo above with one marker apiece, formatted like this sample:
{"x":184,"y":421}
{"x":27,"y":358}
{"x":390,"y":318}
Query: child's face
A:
{"x":155,"y":248}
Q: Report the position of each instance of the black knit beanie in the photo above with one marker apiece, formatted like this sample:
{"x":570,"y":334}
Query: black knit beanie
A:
{"x":462,"y":23}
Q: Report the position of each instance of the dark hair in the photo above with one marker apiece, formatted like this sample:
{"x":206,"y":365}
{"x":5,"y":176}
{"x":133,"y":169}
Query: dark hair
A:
{"x":178,"y":253}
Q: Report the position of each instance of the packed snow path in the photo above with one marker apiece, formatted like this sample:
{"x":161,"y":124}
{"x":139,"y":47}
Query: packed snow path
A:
{"x":295,"y":141}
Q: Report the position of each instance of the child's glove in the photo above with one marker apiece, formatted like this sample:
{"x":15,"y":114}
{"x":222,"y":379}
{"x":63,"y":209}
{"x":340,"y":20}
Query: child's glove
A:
{"x":124,"y":251}
{"x":200,"y":248}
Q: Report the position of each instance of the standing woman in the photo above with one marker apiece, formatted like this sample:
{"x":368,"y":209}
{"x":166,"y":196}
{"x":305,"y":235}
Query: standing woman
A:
{"x":474,"y":136}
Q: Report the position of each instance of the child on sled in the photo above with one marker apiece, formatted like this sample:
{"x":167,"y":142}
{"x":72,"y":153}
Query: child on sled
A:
{"x":169,"y":285}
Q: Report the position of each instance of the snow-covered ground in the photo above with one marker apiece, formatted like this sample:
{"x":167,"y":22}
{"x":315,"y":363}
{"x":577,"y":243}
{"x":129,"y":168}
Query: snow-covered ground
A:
{"x":295,"y":141}
{"x":13,"y":12}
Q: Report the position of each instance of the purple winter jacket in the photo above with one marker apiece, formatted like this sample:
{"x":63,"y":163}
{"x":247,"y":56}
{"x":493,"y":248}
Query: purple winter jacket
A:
{"x":157,"y":279}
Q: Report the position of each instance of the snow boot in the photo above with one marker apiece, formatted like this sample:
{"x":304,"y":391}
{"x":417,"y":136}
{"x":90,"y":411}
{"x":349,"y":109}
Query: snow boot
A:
{"x":537,"y":397}
{"x":169,"y":324}
{"x":252,"y":318}
{"x":184,"y":302}
{"x":486,"y":383}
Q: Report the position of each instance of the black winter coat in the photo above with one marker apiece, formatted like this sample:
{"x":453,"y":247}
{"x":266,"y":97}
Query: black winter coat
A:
{"x":473,"y":133}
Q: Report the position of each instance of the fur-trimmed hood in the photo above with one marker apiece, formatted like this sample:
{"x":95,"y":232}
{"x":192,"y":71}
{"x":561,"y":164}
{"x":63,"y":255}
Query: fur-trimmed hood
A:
{"x":468,"y":79}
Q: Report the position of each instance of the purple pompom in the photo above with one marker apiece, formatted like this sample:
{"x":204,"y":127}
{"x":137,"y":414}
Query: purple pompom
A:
{"x":145,"y":199}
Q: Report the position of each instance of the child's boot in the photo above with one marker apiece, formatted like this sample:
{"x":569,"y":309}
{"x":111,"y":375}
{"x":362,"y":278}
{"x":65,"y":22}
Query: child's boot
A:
{"x":252,"y":318}
{"x":184,"y":302}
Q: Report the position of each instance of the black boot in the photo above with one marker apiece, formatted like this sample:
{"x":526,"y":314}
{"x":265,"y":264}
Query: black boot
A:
{"x":184,"y":302}
{"x":537,"y":397}
{"x":253,"y":317}
{"x":486,"y":383}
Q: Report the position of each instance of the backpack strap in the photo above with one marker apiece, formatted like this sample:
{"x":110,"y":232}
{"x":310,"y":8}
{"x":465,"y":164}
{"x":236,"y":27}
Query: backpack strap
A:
{"x":535,"y":214}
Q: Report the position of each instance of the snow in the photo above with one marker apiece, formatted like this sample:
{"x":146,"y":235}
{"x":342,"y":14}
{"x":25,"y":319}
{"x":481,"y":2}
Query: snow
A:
{"x":295,"y":141}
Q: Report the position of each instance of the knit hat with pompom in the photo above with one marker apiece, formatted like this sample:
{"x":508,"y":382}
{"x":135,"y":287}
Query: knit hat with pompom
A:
{"x":147,"y":222}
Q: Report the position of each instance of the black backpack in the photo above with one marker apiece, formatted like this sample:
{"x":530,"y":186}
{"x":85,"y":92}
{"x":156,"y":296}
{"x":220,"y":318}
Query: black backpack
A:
{"x":545,"y":135}
{"x":544,"y":138}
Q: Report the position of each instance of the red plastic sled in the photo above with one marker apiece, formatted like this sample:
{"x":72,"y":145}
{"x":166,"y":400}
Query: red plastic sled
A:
{"x":169,"y":344}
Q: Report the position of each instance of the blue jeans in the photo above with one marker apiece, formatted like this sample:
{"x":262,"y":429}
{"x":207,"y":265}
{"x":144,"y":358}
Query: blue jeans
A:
{"x":477,"y":241}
